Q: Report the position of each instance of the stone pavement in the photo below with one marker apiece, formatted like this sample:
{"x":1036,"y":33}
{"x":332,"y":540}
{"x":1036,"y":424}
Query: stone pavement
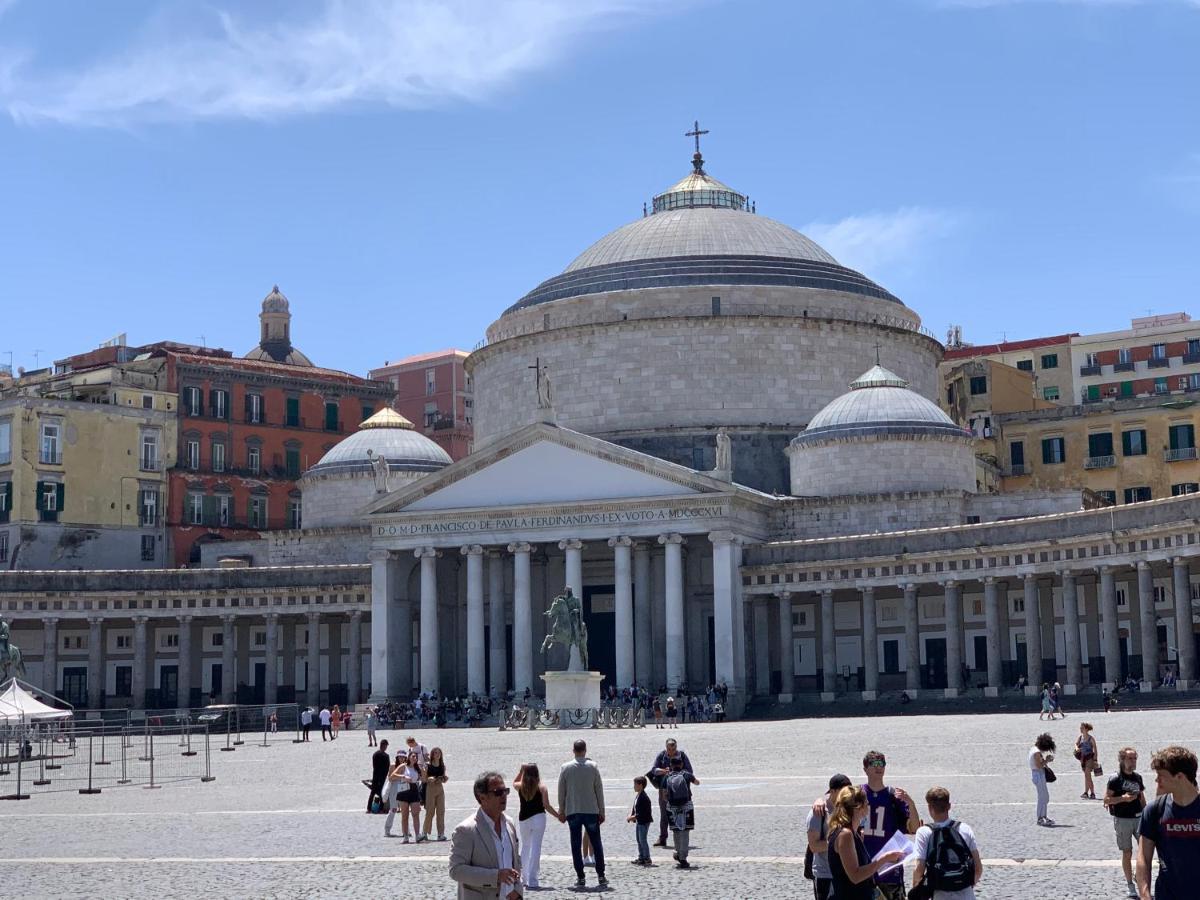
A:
{"x":288,"y":820}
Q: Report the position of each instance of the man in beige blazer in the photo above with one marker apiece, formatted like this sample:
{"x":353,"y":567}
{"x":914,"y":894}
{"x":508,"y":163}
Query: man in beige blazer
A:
{"x":485,"y":852}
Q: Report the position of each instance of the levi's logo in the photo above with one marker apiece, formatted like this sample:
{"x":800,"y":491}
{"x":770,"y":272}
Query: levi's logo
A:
{"x":1183,"y":828}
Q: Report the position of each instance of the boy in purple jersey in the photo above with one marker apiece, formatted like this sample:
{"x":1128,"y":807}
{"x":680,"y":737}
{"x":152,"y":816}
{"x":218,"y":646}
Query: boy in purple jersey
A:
{"x":892,"y":810}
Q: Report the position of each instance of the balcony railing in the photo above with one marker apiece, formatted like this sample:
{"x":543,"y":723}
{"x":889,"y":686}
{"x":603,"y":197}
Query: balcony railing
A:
{"x":1017,"y":471}
{"x":1089,"y":370}
{"x":1191,"y":357}
{"x":1180,"y":454}
{"x":1158,"y":362}
{"x":1100,"y":462}
{"x":1123,"y":367}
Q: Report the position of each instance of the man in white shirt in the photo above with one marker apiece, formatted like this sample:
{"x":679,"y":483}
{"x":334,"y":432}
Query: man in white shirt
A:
{"x":326,"y":717}
{"x":306,"y":721}
{"x":485,"y":852}
{"x":951,"y":859}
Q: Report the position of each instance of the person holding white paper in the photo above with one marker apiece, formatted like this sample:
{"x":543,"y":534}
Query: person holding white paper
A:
{"x":851,"y":866}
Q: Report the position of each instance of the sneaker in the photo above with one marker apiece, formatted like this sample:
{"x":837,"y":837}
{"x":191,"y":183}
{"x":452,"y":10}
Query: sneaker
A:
{"x":442,"y":837}
{"x":660,"y":843}
{"x":580,"y":881}
{"x":405,"y":841}
{"x":1049,"y":822}
{"x":422,"y":837}
{"x":1084,"y":795}
{"x":602,"y":881}
{"x":683,"y":864}
{"x":1132,"y":890}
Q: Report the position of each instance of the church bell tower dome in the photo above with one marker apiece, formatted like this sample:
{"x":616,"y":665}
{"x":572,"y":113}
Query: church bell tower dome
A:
{"x":275,"y":340}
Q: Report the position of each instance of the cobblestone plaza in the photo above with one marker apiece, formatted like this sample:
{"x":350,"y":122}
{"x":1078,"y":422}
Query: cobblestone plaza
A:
{"x":287,"y":820}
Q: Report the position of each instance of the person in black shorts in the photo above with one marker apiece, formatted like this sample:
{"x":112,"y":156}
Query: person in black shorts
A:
{"x":672,"y":713}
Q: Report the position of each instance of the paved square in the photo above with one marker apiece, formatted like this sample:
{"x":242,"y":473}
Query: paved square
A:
{"x":288,"y":820}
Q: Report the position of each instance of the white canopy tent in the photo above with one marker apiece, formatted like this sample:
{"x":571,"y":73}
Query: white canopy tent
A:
{"x":19,"y":704}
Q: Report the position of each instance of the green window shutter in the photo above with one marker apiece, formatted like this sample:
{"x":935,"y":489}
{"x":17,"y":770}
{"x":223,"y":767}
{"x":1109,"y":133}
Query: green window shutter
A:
{"x":1093,"y":392}
{"x":246,"y":408}
{"x":61,"y":490}
{"x":40,"y":499}
{"x":1016,"y":453}
{"x":1126,"y":443}
{"x":331,"y":417}
{"x":6,"y":498}
{"x":210,"y":510}
{"x":212,"y":402}
{"x":293,"y":411}
{"x":1047,"y":451}
{"x":1126,"y":389}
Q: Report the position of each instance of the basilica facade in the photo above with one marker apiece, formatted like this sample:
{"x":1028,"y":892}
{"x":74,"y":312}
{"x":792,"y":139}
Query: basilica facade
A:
{"x":721,"y":439}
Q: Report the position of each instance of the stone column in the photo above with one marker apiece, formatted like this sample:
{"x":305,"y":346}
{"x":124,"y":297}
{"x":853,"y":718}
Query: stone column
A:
{"x":991,"y":612}
{"x":95,"y":664}
{"x":1148,"y":618}
{"x":228,"y":665}
{"x":476,"y":676}
{"x":1033,"y":636}
{"x":522,"y":618}
{"x":573,"y":550}
{"x":760,"y":617}
{"x":1112,"y":628}
{"x":912,"y":640}
{"x":643,"y":639}
{"x":140,"y":661}
{"x":954,"y":639}
{"x":787,"y":660}
{"x":870,"y":645}
{"x":184,"y":672}
{"x":388,"y":657}
{"x":271,"y":661}
{"x":1070,"y":598}
{"x":828,"y":648}
{"x":354,"y":665}
{"x":498,"y":622}
{"x":333,"y":656}
{"x":288,"y":635}
{"x":722,"y":599}
{"x":404,"y":640}
{"x":430,"y":649}
{"x":50,"y":657}
{"x":623,"y":608}
{"x":1185,"y":642}
{"x":313,"y":686}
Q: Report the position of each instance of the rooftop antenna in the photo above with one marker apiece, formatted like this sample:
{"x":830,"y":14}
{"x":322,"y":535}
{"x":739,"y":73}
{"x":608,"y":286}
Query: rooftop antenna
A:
{"x":36,"y":355}
{"x":10,"y":361}
{"x":204,"y":343}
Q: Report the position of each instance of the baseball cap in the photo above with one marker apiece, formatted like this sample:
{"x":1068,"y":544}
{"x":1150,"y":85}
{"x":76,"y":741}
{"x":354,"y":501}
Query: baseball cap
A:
{"x":837,"y":782}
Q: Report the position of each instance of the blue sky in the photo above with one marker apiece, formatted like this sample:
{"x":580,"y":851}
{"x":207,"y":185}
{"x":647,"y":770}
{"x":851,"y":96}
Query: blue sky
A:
{"x":406,"y":170}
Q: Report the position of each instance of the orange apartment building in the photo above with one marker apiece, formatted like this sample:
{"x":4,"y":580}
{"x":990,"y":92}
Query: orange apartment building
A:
{"x":433,"y":391}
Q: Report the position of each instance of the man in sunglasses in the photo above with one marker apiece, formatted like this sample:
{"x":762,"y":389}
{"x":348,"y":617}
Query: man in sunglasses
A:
{"x":485,"y":852}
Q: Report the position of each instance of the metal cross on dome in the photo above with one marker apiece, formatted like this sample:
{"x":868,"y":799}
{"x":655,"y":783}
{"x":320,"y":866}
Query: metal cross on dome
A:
{"x":696,"y":132}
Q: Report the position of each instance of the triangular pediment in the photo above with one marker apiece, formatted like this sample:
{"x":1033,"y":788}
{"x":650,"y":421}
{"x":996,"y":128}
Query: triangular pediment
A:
{"x":545,"y":464}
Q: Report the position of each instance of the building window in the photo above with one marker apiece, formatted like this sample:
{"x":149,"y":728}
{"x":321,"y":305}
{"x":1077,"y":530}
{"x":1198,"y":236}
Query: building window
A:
{"x":1100,"y":444}
{"x":1016,"y":454}
{"x":1158,"y":351}
{"x":193,"y":401}
{"x":254,"y":460}
{"x":195,"y":509}
{"x":431,"y":414}
{"x":978,"y":385}
{"x":1054,"y":451}
{"x":5,"y":500}
{"x":260,"y":639}
{"x":171,"y":640}
{"x":224,"y":504}
{"x":1093,"y":361}
{"x":218,"y":457}
{"x":294,"y":513}
{"x":1182,"y":437}
{"x":1122,"y":600}
{"x":1050,"y":361}
{"x":51,"y":444}
{"x":1137,"y":494}
{"x":367,"y":412}
{"x":1133,"y":443}
{"x":292,"y":413}
{"x":257,"y":512}
{"x":1050,"y":393}
{"x":218,"y":404}
{"x":1124,"y":355}
{"x":5,"y":441}
{"x":430,"y":382}
{"x":1018,"y":604}
{"x":331,"y":417}
{"x":148,"y":507}
{"x":148,"y":543}
{"x":3,"y":546}
{"x":124,"y":681}
{"x":149,"y":456}
{"x":191,"y":454}
{"x":1188,"y":487}
{"x":1109,"y":497}
{"x":254,"y":409}
{"x":49,"y":500}
{"x":147,"y":401}
{"x":1025,"y":365}
{"x":291,"y":458}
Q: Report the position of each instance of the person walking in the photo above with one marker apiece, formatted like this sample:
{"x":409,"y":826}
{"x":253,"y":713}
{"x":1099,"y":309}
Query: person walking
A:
{"x":1169,"y":826}
{"x":642,"y":815}
{"x":1040,"y":757}
{"x":1047,"y":710}
{"x":372,"y":726}
{"x":485,"y":852}
{"x":305,"y":721}
{"x":435,"y":793}
{"x":678,"y":786}
{"x":1125,"y":798}
{"x":380,"y":764}
{"x":325,"y":724}
{"x":850,"y":865}
{"x":660,"y":769}
{"x":817,"y":827}
{"x":531,"y":819}
{"x":335,"y":721}
{"x":581,"y":801}
{"x":947,"y":855}
{"x":658,"y":714}
{"x":1056,"y":695}
{"x":1087,"y":753}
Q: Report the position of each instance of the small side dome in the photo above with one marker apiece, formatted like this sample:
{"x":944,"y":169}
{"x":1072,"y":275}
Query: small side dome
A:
{"x":387,"y":434}
{"x":881,"y":438}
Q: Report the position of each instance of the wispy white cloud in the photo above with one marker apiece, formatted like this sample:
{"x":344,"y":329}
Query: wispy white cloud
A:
{"x":876,"y":241}
{"x":403,"y":53}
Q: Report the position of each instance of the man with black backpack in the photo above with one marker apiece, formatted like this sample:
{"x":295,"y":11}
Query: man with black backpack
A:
{"x":948,"y":864}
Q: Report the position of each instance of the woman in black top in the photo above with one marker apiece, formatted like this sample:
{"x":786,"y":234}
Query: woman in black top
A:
{"x":849,"y":863}
{"x":672,"y":713}
{"x":535,"y":803}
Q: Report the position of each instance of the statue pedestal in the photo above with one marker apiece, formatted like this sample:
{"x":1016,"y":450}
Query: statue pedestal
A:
{"x":573,"y":690}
